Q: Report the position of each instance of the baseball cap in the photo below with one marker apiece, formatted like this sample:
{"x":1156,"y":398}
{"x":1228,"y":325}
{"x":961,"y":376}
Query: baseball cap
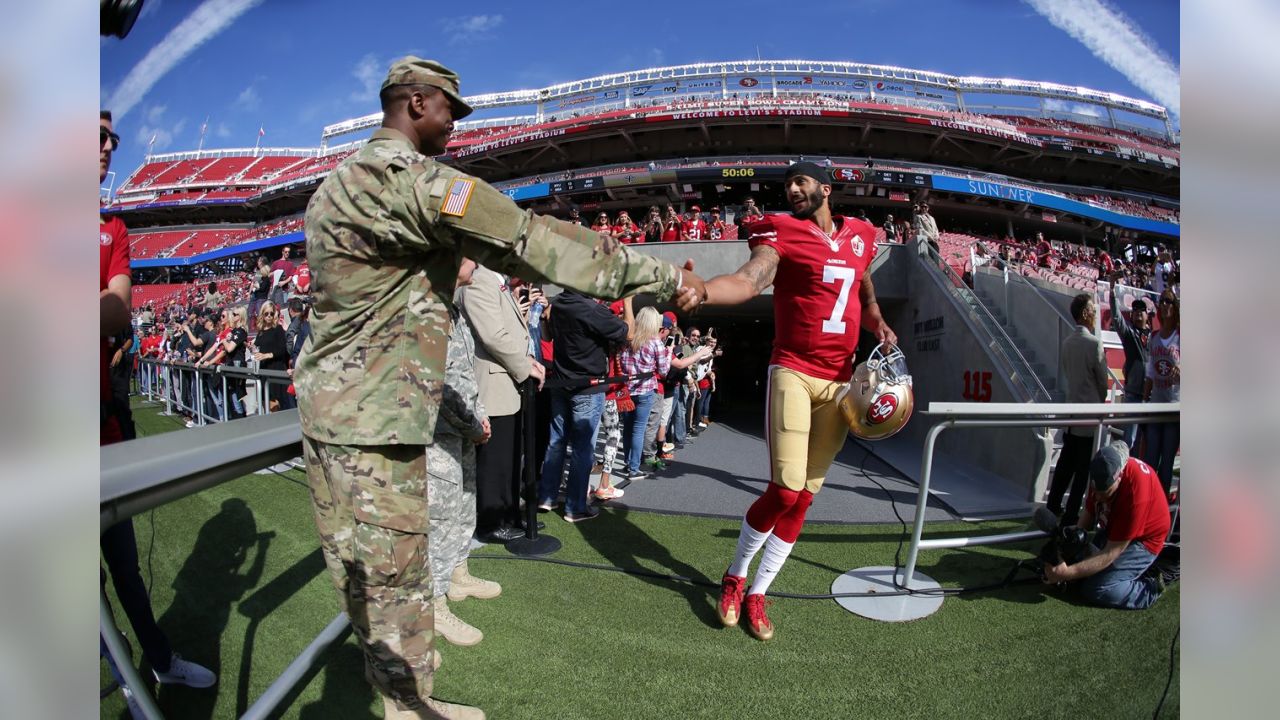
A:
{"x":668,"y":319}
{"x":617,"y":307}
{"x":808,"y":169}
{"x":1106,"y":465}
{"x":695,"y":208}
{"x":1138,"y":306}
{"x":412,"y":70}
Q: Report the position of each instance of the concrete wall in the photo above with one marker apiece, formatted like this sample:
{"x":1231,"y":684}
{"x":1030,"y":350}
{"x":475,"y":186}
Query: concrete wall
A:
{"x":941,"y":346}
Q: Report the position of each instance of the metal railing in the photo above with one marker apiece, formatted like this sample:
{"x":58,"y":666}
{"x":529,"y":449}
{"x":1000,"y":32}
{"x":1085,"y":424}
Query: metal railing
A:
{"x":148,"y":472}
{"x":1005,"y":352}
{"x":208,"y":393}
{"x":1007,"y":415}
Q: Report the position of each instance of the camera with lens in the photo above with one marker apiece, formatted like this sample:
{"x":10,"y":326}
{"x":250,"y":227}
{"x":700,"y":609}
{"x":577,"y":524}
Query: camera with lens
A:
{"x":118,"y":16}
{"x":1067,"y":543}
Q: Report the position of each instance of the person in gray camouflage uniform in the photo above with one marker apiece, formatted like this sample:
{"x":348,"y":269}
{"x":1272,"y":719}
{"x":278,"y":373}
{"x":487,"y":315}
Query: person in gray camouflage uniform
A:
{"x":451,"y":484}
{"x":386,"y":231}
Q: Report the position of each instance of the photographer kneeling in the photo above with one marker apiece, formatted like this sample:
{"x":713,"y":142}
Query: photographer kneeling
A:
{"x":1132,"y":514}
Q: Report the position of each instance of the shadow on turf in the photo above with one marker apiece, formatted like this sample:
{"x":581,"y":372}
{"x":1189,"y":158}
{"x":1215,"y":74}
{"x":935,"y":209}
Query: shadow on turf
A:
{"x":209,"y":583}
{"x":624,"y":545}
{"x":265,"y":601}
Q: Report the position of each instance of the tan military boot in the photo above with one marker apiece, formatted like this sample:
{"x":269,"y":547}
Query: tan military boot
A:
{"x":464,"y":585}
{"x":452,"y":628}
{"x":435,"y":710}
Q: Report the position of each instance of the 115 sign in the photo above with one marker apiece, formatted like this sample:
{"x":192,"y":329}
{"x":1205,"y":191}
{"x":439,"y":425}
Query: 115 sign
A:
{"x":977,"y":385}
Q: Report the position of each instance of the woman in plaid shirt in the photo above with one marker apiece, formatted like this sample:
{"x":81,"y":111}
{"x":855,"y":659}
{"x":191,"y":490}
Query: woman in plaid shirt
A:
{"x":646,"y":359}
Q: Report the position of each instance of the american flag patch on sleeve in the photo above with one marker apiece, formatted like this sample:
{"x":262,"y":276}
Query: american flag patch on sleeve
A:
{"x":458,"y":197}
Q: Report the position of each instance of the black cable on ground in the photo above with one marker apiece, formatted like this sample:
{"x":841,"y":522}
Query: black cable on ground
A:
{"x":1173,"y":647}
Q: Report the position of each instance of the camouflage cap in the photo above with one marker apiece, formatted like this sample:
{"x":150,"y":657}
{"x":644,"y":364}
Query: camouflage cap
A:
{"x":411,"y":70}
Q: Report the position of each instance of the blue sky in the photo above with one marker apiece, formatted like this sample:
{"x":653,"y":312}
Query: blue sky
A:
{"x":294,"y":66}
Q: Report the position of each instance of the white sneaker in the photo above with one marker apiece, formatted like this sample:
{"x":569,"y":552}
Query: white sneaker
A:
{"x":191,"y":423}
{"x":185,"y":672}
{"x":668,"y":447}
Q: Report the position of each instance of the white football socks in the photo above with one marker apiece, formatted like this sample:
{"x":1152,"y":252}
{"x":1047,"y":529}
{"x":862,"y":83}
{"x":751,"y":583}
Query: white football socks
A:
{"x":750,"y":541}
{"x":776,"y":552}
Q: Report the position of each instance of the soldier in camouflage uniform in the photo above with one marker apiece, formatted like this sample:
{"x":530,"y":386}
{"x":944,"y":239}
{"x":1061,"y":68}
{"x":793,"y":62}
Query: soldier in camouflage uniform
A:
{"x":386,"y":232}
{"x":451,"y":485}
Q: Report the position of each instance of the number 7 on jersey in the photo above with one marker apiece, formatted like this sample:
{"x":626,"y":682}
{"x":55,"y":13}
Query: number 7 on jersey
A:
{"x":845,"y":276}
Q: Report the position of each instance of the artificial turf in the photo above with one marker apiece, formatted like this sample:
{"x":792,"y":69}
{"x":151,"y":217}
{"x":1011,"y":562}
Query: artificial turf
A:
{"x":240,"y":587}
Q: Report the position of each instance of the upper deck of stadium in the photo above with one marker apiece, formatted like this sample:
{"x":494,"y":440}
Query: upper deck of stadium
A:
{"x":1034,"y":130}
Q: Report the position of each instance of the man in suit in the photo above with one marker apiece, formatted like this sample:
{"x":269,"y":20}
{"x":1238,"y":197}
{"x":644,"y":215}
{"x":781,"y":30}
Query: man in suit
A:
{"x":502,"y":363}
{"x":1085,"y":369}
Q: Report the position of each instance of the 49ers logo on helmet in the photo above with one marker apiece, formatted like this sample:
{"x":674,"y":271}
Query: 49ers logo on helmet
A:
{"x":882,"y":409}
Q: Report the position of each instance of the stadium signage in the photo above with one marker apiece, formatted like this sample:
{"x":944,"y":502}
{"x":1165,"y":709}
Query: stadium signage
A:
{"x":577,"y":185}
{"x":859,"y":84}
{"x":735,"y":113}
{"x":738,"y":172}
{"x":889,"y":87}
{"x":640,"y":90}
{"x":577,"y":101}
{"x":1053,"y":202}
{"x":748,"y":82}
{"x":506,"y":142}
{"x":847,"y":174}
{"x":984,"y":130}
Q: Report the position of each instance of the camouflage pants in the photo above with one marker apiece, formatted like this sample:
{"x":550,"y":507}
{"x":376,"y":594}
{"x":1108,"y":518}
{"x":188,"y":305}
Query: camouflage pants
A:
{"x":371,"y":511}
{"x":611,"y":426}
{"x":451,"y":474}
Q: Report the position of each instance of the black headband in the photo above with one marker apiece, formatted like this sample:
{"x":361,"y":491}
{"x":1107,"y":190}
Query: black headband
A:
{"x":808,"y":169}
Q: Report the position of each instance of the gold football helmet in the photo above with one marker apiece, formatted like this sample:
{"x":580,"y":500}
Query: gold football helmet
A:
{"x":878,"y":400}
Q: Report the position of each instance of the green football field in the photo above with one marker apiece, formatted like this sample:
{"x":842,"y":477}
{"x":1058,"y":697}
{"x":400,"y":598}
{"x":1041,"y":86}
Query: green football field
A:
{"x":238,"y":583}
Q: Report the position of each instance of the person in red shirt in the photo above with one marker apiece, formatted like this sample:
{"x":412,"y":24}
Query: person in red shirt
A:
{"x":716,"y":227}
{"x":750,"y":213}
{"x":1129,"y":506}
{"x":602,"y":225}
{"x":671,"y":228}
{"x":626,"y":230}
{"x":118,"y":543}
{"x":818,"y":265}
{"x":694,"y":228}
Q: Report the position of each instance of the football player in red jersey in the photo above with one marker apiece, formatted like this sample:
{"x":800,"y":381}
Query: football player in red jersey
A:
{"x":818,"y":266}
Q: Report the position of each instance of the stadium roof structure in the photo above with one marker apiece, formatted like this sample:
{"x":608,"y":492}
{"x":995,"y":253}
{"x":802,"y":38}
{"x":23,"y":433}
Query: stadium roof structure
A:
{"x":825,"y":76}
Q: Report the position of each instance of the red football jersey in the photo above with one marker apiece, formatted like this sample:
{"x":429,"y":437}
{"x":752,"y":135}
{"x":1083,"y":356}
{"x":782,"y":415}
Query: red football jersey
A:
{"x":816,"y":308}
{"x":113,"y":253}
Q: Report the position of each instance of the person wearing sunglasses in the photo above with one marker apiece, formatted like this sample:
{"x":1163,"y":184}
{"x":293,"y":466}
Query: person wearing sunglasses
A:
{"x":119,"y":545}
{"x":271,"y":351}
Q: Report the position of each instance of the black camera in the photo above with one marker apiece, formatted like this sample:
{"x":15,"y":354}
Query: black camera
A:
{"x":118,"y":16}
{"x":1067,"y":543}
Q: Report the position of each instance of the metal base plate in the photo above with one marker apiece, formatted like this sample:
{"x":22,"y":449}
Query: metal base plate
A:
{"x":888,"y":607}
{"x":535,"y":547}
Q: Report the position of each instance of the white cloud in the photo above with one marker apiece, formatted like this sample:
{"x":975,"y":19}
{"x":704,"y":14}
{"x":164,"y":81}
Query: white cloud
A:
{"x":149,"y":8}
{"x":222,"y":131}
{"x":657,"y":56}
{"x":369,"y":72}
{"x":247,"y":99}
{"x":474,"y":27}
{"x":155,"y":126}
{"x":202,"y":24}
{"x":1119,"y":42}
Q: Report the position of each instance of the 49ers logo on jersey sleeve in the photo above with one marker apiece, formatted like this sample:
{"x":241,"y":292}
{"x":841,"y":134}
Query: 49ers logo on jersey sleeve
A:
{"x":882,"y":409}
{"x":104,"y":238}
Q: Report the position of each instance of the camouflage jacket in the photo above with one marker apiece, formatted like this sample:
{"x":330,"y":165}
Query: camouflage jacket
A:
{"x":386,"y":231}
{"x":461,"y":412}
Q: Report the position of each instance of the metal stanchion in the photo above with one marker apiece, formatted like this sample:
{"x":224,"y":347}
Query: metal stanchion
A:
{"x":532,"y":544}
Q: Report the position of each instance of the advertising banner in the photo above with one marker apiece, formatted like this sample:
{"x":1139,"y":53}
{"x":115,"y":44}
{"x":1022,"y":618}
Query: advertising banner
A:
{"x":987,"y":188}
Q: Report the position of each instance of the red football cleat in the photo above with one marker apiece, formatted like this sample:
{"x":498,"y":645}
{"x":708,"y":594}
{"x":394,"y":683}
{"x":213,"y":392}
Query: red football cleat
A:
{"x":731,"y":589}
{"x":757,"y":621}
